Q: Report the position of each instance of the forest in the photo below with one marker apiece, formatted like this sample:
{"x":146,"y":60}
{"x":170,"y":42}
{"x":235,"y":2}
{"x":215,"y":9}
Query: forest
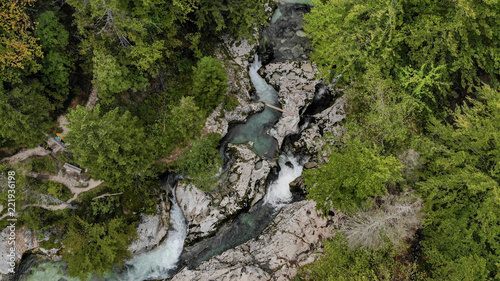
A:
{"x":421,"y":83}
{"x":416,"y":167}
{"x":152,"y":64}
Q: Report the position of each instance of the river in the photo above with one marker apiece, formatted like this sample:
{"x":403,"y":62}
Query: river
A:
{"x":170,"y":256}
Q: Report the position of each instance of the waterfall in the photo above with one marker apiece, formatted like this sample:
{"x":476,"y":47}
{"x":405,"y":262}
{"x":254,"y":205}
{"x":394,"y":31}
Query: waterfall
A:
{"x":158,"y":263}
{"x":278,"y":193}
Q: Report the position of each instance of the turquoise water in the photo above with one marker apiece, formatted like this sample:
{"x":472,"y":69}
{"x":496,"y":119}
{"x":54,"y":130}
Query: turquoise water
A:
{"x":49,"y":271}
{"x":276,"y":16}
{"x":255,"y":129}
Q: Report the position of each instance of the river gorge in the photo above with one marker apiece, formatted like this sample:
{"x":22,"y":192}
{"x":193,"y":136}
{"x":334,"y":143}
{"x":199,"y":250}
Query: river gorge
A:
{"x":258,"y":226}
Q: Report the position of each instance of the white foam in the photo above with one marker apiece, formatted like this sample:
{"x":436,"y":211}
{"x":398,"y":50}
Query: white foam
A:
{"x":156,"y":263}
{"x":278,"y":193}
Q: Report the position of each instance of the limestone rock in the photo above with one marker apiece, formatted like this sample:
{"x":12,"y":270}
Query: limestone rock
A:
{"x":295,"y":80}
{"x":24,"y":240}
{"x":152,"y":228}
{"x":330,"y":117}
{"x":290,"y":241}
{"x":245,"y":185}
{"x":310,"y":165}
{"x":239,"y":272}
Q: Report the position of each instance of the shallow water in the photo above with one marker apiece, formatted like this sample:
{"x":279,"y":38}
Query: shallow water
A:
{"x":257,"y":125}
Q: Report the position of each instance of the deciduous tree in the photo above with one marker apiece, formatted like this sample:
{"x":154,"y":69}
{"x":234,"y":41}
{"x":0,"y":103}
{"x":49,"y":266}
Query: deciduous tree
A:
{"x":18,"y":48}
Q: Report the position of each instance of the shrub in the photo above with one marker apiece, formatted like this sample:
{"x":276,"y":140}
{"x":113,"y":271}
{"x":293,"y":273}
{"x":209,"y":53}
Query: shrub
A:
{"x":202,"y":162}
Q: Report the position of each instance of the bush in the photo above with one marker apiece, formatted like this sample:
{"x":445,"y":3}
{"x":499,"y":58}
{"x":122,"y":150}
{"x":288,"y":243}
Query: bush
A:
{"x":57,"y":190}
{"x":354,"y":173}
{"x":202,"y":162}
{"x":43,"y":165}
{"x":343,"y":263}
{"x":230,"y":103}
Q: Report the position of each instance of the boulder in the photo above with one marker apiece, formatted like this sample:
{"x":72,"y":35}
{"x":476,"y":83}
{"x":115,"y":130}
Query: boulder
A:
{"x":310,"y":165}
{"x":152,"y":228}
{"x":296,"y":86}
{"x":243,"y":188}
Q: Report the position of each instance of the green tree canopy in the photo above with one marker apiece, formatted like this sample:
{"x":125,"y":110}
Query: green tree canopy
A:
{"x":462,"y":191}
{"x":351,"y":37}
{"x":96,"y":248}
{"x":209,"y":83}
{"x":186,"y":120}
{"x":56,"y":65}
{"x":25,"y":114}
{"x":113,"y":146}
{"x":354,"y":173}
{"x":202,"y":162}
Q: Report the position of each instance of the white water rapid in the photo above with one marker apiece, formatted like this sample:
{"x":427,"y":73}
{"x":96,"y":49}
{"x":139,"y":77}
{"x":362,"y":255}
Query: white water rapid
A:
{"x":278,"y":192}
{"x":265,"y":92}
{"x":157,"y":263}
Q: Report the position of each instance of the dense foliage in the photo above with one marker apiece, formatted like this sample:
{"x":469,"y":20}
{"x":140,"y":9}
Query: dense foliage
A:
{"x":353,"y":174}
{"x":209,"y":83}
{"x":112,"y":145}
{"x":352,"y":37}
{"x":96,"y":247}
{"x":18,"y":48}
{"x":201,"y":164}
{"x":420,"y":79}
{"x":461,"y":188}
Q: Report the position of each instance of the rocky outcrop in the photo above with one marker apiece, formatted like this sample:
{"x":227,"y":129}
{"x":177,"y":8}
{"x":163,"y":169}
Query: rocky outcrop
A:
{"x":245,"y":185}
{"x":329,"y":119}
{"x":310,"y":140}
{"x":152,"y":228}
{"x":25,"y":240}
{"x":296,"y":84}
{"x":291,"y":240}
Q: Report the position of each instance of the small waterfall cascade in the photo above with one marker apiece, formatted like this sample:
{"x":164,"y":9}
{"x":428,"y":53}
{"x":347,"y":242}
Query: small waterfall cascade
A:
{"x":159,"y":263}
{"x":278,"y":193}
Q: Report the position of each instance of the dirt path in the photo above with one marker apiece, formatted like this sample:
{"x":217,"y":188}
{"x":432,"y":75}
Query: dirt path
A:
{"x":23,"y":155}
{"x":48,"y":207}
{"x":72,"y":183}
{"x":68,"y":181}
{"x":63,"y":121}
{"x":76,"y":191}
